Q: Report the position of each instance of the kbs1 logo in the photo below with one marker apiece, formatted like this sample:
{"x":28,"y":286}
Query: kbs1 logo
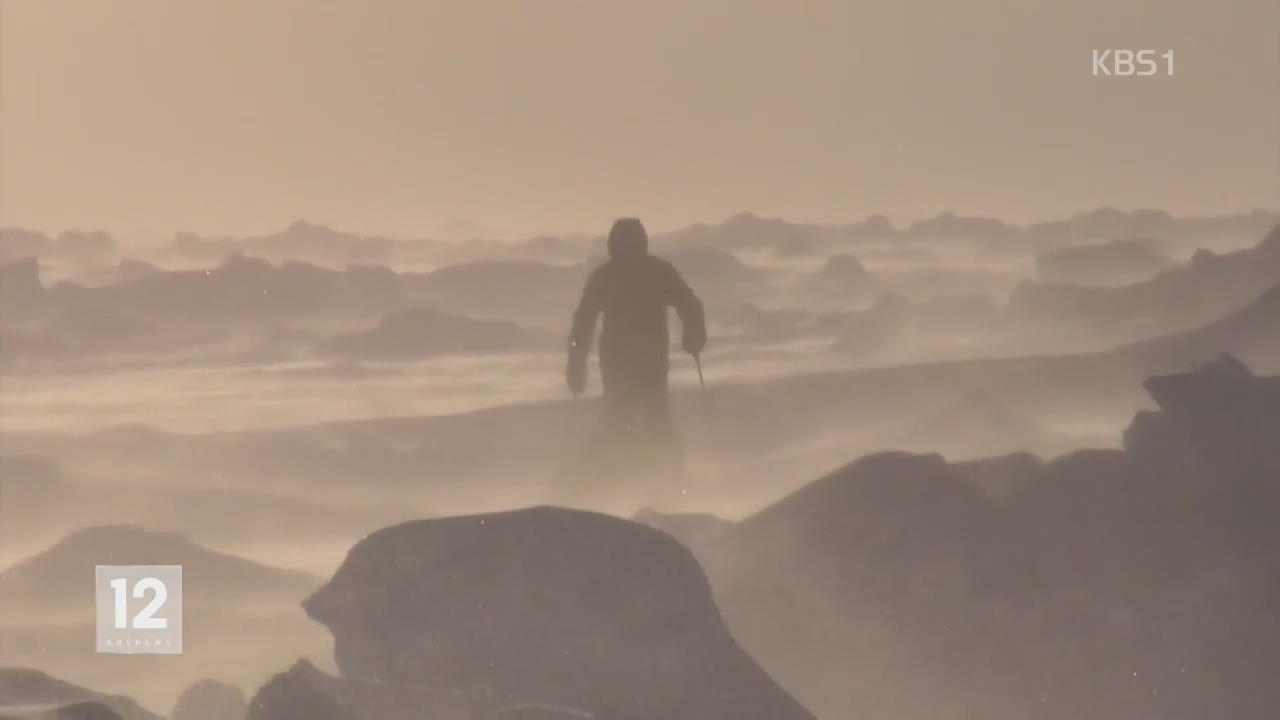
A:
{"x":139,"y":608}
{"x":1132,"y":63}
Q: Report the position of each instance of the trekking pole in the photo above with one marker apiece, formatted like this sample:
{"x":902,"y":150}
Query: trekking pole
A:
{"x":710,"y":461}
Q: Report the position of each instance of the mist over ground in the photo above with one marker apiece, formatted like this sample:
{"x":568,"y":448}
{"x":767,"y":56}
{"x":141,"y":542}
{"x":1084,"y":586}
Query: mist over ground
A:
{"x":254,"y":408}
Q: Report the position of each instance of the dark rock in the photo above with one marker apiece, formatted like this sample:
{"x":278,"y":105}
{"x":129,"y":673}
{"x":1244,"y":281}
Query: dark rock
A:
{"x":249,"y":292}
{"x":300,"y":240}
{"x":1201,"y":291}
{"x":947,"y":226}
{"x":61,"y":699}
{"x":54,"y":579}
{"x":374,"y":699}
{"x":770,"y":325}
{"x":288,"y":696}
{"x":425,"y":332}
{"x":540,"y":712}
{"x":693,"y":530}
{"x":714,"y":272}
{"x":126,"y":270}
{"x":210,"y":700}
{"x":1253,"y":332}
{"x":16,"y":243}
{"x":875,"y":329}
{"x":1003,"y":475}
{"x":1219,"y":421}
{"x":843,"y":277}
{"x":520,"y":290}
{"x":1118,"y":261}
{"x":21,"y":292}
{"x":1116,"y":583}
{"x":894,"y":516}
{"x":544,"y":606}
{"x":86,"y":711}
{"x":90,"y":244}
{"x":845,"y":267}
{"x":746,"y":231}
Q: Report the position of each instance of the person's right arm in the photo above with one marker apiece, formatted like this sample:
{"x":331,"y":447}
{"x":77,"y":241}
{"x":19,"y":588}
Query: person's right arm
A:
{"x":583,"y":331}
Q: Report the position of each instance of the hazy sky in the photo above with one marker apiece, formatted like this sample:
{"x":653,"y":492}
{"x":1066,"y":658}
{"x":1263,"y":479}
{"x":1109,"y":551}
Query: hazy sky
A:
{"x":415,"y":116}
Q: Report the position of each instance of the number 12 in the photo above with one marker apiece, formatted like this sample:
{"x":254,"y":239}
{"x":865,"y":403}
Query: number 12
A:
{"x":144,"y":619}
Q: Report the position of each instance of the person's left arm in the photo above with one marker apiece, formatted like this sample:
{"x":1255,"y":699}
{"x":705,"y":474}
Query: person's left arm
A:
{"x":689,"y":308}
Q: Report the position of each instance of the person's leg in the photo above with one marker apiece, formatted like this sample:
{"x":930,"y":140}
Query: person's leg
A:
{"x":619,"y":402}
{"x":622,"y":441}
{"x":666,"y":442}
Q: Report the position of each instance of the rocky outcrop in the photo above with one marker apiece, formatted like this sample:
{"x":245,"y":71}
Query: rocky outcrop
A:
{"x":1215,"y":432}
{"x":21,"y":292}
{"x":17,"y":243}
{"x":300,"y":239}
{"x":1115,"y":262}
{"x":693,"y":530}
{"x":72,"y":711}
{"x":26,"y":693}
{"x":247,"y":292}
{"x":523,"y":291}
{"x":210,"y":700}
{"x":1106,"y":583}
{"x":1251,"y":333}
{"x":53,"y":581}
{"x":86,"y":711}
{"x":127,"y":270}
{"x":426,"y":332}
{"x":88,"y":244}
{"x":543,"y":606}
{"x":842,"y":282}
{"x":303,"y":685}
{"x":1204,"y":289}
{"x":875,"y":329}
{"x":289,"y":696}
{"x":874,"y":528}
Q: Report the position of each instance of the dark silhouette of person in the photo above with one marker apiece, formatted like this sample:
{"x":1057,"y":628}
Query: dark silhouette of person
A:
{"x":632,"y":290}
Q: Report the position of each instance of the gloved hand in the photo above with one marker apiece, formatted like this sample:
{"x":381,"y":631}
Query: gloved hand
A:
{"x":694,"y":340}
{"x":576,"y":374}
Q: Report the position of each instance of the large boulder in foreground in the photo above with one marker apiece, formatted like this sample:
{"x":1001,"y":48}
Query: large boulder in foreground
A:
{"x":544,"y":606}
